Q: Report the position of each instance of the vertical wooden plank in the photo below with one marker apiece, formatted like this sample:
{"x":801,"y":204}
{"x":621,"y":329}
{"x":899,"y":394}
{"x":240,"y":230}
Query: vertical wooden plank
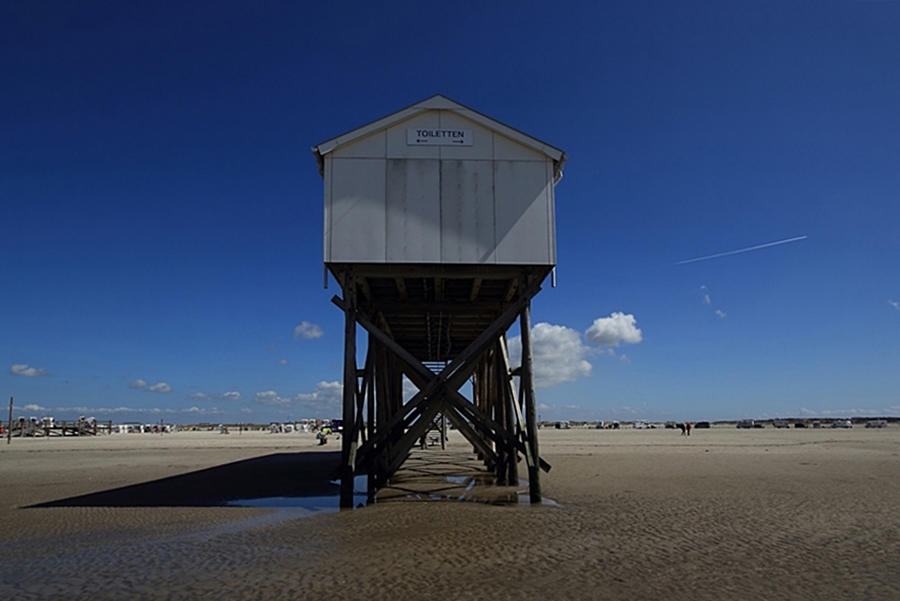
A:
{"x":413,"y":211}
{"x":467,"y":211}
{"x":382,"y":413}
{"x":357,"y":226}
{"x":511,"y":423}
{"x":534,"y":471}
{"x":347,"y":444}
{"x":500,"y":416}
{"x":374,"y":351}
{"x":521,"y":192}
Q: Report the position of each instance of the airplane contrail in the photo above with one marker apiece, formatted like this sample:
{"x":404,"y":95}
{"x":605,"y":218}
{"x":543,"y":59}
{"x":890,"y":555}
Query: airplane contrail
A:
{"x":742,"y":250}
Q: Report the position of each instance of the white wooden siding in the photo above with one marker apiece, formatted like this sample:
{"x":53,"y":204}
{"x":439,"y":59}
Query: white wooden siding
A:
{"x":413,"y":211}
{"x":357,"y":223}
{"x":467,"y":211}
{"x":523,"y":203}
{"x":388,"y":201}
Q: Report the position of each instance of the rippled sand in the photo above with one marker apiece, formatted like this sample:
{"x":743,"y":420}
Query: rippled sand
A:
{"x":724,"y":514}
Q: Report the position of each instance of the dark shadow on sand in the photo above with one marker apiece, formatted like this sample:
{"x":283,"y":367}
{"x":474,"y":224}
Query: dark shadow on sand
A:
{"x":278,"y":475}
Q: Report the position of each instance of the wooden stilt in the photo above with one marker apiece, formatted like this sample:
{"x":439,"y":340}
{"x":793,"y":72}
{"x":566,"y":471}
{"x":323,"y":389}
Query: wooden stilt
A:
{"x":348,"y":444}
{"x":511,"y":423}
{"x":506,"y":451}
{"x":374,"y":354}
{"x":534,"y":472}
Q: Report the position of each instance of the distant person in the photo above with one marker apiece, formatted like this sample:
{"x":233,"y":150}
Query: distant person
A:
{"x":687,"y":426}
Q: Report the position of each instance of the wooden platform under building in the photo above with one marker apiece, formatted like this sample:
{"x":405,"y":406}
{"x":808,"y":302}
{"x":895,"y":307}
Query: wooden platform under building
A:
{"x":448,"y":475}
{"x":435,"y":311}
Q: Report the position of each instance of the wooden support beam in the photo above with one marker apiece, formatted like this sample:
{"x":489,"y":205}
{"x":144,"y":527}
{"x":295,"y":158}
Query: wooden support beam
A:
{"x":348,"y":442}
{"x":438,"y":289}
{"x":491,"y":428}
{"x":476,"y":287}
{"x":400,"y":282}
{"x":511,"y":290}
{"x":470,"y":434}
{"x":364,"y":287}
{"x":506,"y":452}
{"x":534,"y":474}
{"x":400,"y":451}
{"x":452,"y":376}
{"x":514,"y":401}
{"x":491,"y":271}
{"x":444,"y":384}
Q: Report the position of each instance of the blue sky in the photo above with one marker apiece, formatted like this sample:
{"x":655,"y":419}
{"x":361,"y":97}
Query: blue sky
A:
{"x":161,"y":225}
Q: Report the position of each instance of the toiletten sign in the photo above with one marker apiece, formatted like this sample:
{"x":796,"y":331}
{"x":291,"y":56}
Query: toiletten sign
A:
{"x":424,"y":136}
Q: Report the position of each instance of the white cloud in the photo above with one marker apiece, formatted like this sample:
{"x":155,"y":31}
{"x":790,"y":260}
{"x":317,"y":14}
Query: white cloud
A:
{"x":270,"y":397}
{"x":27,"y":372}
{"x":33,"y":407}
{"x":308,"y":331}
{"x":894,"y":304}
{"x":326,"y":395}
{"x":558,"y":355}
{"x":282,"y":362}
{"x":137,"y":384}
{"x":610,"y":331}
{"x":720,"y":314}
{"x":705,"y":292}
{"x":228,"y":396}
{"x":160,"y":387}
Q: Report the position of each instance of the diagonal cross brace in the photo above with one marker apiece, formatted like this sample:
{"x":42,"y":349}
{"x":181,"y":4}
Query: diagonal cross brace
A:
{"x":450,"y":378}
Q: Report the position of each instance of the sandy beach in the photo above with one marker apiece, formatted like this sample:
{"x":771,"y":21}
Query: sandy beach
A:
{"x":638,"y":514}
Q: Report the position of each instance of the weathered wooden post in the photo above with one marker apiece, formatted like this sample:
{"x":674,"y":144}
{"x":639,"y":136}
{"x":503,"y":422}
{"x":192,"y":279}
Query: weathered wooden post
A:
{"x":534,"y":472}
{"x":348,"y":444}
{"x":9,"y":424}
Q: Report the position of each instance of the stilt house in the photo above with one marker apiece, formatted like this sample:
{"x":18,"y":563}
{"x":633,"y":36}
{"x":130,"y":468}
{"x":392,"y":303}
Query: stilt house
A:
{"x":440,"y":229}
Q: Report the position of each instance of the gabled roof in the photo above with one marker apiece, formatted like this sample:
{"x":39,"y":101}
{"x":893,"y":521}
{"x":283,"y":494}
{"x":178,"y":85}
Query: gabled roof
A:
{"x":439,"y":102}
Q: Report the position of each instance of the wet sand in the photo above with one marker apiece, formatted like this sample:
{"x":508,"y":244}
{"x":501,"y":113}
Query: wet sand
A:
{"x":644,"y":514}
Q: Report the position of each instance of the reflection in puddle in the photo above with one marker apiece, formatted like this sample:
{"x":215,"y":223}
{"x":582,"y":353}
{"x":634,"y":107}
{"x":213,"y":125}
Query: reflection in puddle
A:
{"x":473,"y":488}
{"x":302,"y":507}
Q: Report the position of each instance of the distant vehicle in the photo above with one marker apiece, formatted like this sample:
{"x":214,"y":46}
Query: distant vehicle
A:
{"x":562,"y":425}
{"x":841,"y":423}
{"x":817,"y":424}
{"x":799,"y":424}
{"x":746,"y":424}
{"x":337,"y":425}
{"x":701,"y":425}
{"x":781,"y":423}
{"x":642,"y":424}
{"x":876,"y":423}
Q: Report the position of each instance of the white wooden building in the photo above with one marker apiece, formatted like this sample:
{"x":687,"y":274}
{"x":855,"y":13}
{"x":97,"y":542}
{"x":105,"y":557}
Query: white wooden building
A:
{"x":439,"y":183}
